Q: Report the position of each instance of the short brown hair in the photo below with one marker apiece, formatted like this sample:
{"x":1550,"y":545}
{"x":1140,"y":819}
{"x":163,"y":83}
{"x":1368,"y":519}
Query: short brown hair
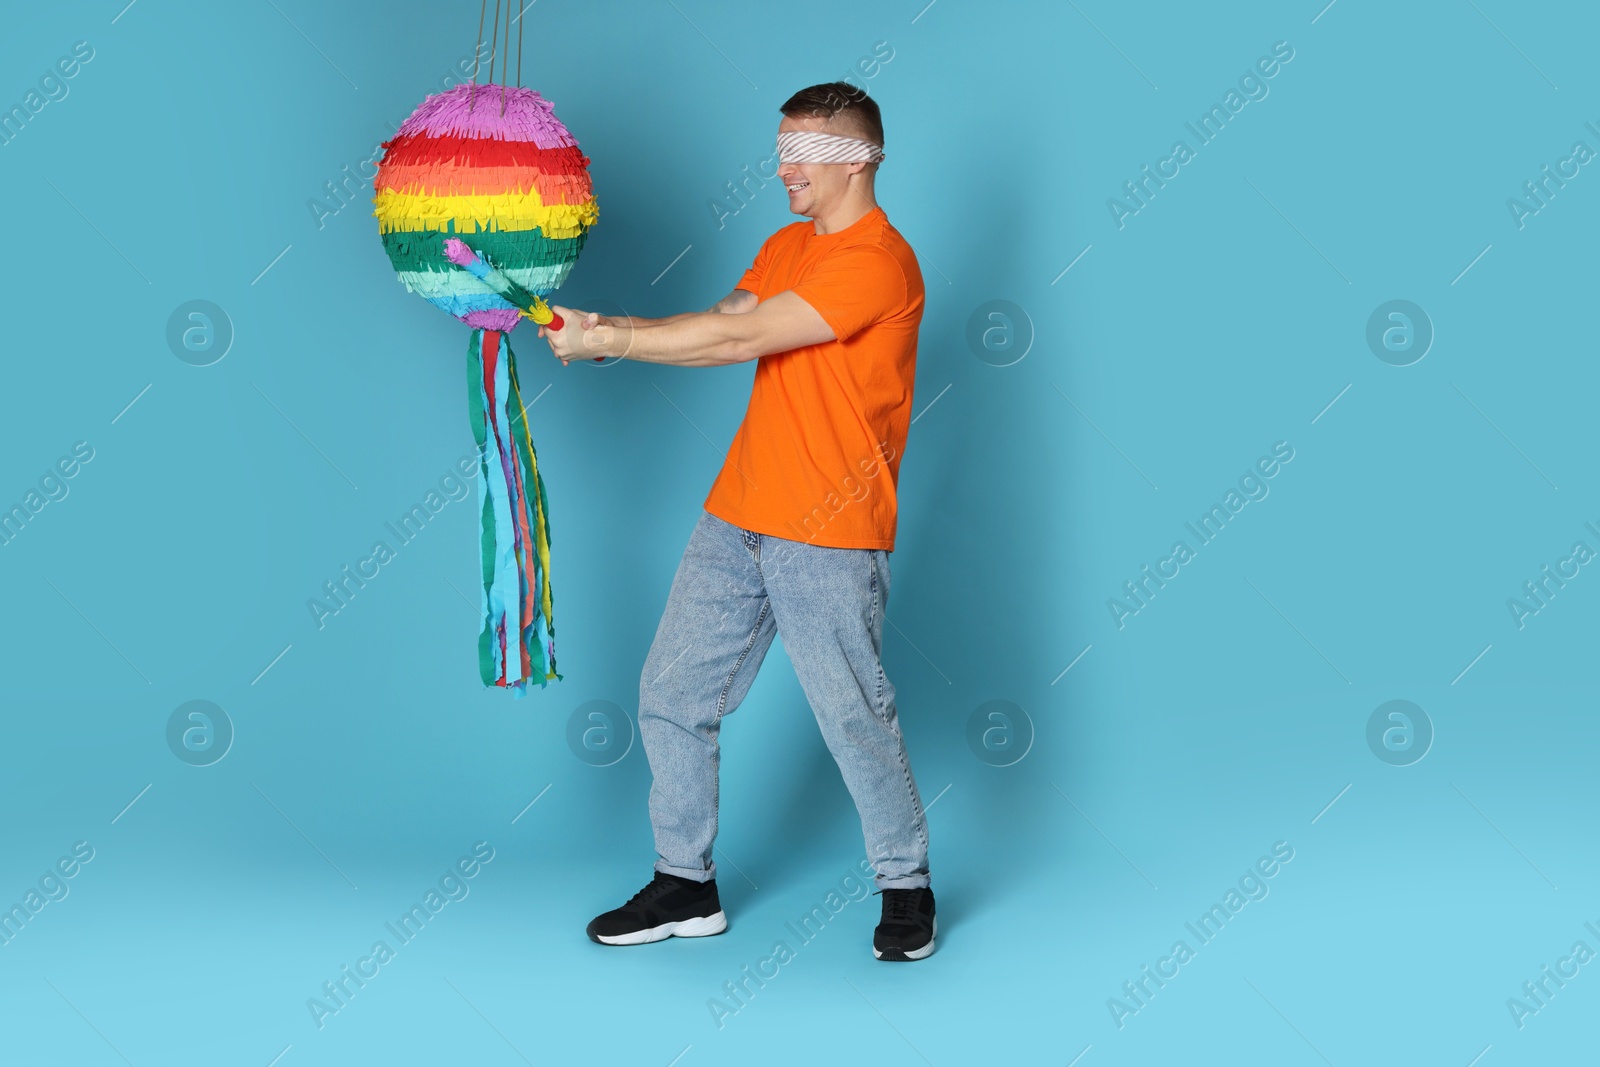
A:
{"x":832,"y":99}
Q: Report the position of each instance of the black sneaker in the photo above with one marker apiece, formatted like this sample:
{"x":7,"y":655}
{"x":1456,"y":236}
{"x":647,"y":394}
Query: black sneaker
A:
{"x":908,"y":926}
{"x":669,"y":906}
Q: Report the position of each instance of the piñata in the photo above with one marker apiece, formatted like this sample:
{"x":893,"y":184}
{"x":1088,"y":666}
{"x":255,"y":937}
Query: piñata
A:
{"x":483,"y":202}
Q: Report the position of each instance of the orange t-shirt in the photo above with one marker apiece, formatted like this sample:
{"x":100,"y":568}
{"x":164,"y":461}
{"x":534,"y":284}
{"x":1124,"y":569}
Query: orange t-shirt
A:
{"x":817,"y":456}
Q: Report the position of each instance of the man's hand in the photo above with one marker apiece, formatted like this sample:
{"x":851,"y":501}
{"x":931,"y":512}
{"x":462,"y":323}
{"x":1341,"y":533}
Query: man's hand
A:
{"x":584,"y":334}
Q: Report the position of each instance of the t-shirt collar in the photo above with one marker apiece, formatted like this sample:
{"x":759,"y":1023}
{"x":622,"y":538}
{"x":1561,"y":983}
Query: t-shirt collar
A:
{"x":861,"y":223}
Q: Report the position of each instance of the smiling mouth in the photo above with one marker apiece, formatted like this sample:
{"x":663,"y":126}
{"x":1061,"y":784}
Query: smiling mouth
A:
{"x":797,"y":187}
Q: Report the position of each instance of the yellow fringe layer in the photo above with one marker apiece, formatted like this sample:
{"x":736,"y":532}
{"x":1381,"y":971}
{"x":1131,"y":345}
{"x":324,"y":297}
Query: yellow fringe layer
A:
{"x":505,"y":211}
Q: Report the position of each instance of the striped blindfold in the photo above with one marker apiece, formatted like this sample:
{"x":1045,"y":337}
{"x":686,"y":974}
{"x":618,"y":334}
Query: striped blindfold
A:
{"x":808,"y":146}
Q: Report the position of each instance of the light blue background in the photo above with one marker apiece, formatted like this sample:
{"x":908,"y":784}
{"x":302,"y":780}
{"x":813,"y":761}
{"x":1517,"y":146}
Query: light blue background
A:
{"x":1224,"y":317}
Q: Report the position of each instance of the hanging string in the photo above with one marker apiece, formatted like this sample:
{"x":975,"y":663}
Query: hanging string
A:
{"x":494,"y":40}
{"x":505,"y":62}
{"x":477,"y":52}
{"x":520,"y":12}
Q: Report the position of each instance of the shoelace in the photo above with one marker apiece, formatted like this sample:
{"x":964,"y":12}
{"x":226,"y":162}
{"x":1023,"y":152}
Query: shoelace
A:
{"x":900,"y":905}
{"x":657,"y":886}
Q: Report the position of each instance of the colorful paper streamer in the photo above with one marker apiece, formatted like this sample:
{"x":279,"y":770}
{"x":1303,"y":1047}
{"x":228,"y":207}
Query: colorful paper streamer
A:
{"x":517,"y":642}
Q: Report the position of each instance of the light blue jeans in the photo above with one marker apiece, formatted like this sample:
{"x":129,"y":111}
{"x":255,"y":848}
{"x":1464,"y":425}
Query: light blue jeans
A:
{"x":733,"y":590}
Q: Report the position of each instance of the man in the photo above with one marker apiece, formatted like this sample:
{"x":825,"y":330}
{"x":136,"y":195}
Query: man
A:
{"x":796,"y":532}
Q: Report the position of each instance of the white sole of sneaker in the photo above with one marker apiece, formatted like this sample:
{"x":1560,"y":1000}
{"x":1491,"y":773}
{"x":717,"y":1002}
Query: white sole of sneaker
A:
{"x":917,"y":953}
{"x":701,"y":927}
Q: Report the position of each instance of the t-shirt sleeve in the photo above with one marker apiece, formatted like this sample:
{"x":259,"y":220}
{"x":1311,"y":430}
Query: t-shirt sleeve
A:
{"x":758,"y":270}
{"x":854,"y":288}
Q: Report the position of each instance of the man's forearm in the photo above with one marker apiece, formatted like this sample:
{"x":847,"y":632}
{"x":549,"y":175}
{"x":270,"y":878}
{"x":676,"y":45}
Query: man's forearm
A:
{"x":693,"y":339}
{"x":639,"y":320}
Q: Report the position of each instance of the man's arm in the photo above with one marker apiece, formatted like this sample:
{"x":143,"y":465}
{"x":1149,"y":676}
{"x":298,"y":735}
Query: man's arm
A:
{"x":698,"y":339}
{"x":735,"y":303}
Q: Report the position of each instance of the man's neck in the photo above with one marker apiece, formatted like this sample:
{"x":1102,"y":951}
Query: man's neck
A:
{"x":855,"y":206}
